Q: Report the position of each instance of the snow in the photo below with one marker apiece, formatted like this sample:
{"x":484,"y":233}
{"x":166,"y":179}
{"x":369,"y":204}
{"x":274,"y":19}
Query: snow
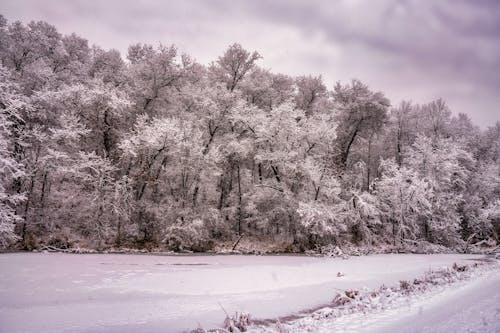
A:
{"x":144,"y":293}
{"x":470,"y":305}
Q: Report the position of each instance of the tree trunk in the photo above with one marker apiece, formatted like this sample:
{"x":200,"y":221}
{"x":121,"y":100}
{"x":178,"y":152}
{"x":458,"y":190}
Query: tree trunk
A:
{"x":276,"y":173}
{"x":240,"y":214}
{"x":316,"y":194}
{"x":43,"y":195}
{"x":345,"y":152}
{"x":369,"y":162}
{"x":398,"y":148}
{"x":222,"y":194}
{"x":106,"y":134}
{"x":27,"y":206}
{"x":119,"y":232}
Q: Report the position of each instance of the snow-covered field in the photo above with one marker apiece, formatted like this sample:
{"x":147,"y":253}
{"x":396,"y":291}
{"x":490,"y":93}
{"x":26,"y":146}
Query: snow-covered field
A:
{"x":460,"y":299}
{"x":472,"y":306}
{"x":143,"y":293}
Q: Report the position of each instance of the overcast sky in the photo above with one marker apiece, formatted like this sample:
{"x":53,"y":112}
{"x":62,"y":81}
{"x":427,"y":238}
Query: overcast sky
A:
{"x":412,"y":50}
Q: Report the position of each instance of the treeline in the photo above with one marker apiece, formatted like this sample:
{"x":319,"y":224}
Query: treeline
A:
{"x":157,"y":150}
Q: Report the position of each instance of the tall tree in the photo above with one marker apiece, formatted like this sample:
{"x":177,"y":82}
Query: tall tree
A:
{"x":11,"y":170}
{"x":232,"y":67}
{"x":360,"y":113}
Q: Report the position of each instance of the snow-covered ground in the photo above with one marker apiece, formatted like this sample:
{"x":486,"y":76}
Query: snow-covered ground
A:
{"x":141,"y":293}
{"x":472,"y":306}
{"x":446,"y":300}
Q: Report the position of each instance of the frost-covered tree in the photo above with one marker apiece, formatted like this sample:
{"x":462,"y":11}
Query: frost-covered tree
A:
{"x":311,"y":93}
{"x":154,"y":75}
{"x":11,"y":170}
{"x":360,"y":113}
{"x":157,"y":150}
{"x":164,"y":156}
{"x":267,"y":90}
{"x":404,"y":200}
{"x":99,"y":106}
{"x":401,"y":132}
{"x":446,"y":166}
{"x":234,"y":65}
{"x":433,"y":119}
{"x":107,"y":66}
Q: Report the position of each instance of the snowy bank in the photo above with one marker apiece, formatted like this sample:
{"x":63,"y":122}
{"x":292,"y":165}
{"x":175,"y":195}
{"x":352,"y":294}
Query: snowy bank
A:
{"x":460,"y":298}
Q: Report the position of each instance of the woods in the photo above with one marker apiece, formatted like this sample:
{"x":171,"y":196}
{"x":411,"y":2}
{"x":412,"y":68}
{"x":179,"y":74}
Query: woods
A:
{"x":155,"y":150}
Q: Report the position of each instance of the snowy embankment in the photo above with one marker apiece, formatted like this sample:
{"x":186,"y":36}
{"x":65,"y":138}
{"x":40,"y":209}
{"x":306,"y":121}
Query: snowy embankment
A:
{"x":461,"y":298}
{"x":140,"y":293}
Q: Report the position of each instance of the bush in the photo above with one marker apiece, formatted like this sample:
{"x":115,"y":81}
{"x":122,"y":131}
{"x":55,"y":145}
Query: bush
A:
{"x":191,"y":236}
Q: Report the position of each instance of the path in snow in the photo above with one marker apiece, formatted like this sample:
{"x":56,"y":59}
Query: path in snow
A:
{"x":474,"y":307}
{"x":142,"y":293}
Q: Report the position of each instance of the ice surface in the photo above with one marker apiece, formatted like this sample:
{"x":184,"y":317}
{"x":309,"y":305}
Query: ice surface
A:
{"x":142,"y":293}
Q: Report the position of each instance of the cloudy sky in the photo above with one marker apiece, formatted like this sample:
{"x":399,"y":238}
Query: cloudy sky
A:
{"x":412,"y":50}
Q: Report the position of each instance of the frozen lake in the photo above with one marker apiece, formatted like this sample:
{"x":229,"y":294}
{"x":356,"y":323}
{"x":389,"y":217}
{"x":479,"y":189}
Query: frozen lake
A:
{"x":53,"y":293}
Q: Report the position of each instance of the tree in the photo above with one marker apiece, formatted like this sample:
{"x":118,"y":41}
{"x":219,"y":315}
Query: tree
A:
{"x":107,"y":66}
{"x":311,"y":93}
{"x":267,"y":90}
{"x":163,"y":156}
{"x":95,"y":176}
{"x":404,"y":200}
{"x":401,"y":133}
{"x":232,"y":67}
{"x":446,"y":167}
{"x":433,"y":119}
{"x":360,"y":113}
{"x":99,"y":106}
{"x":154,"y":75}
{"x":11,"y":170}
{"x":489,"y":144}
{"x":160,"y":151}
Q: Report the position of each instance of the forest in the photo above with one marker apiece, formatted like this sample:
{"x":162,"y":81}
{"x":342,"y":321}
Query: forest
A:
{"x":153,"y":150}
